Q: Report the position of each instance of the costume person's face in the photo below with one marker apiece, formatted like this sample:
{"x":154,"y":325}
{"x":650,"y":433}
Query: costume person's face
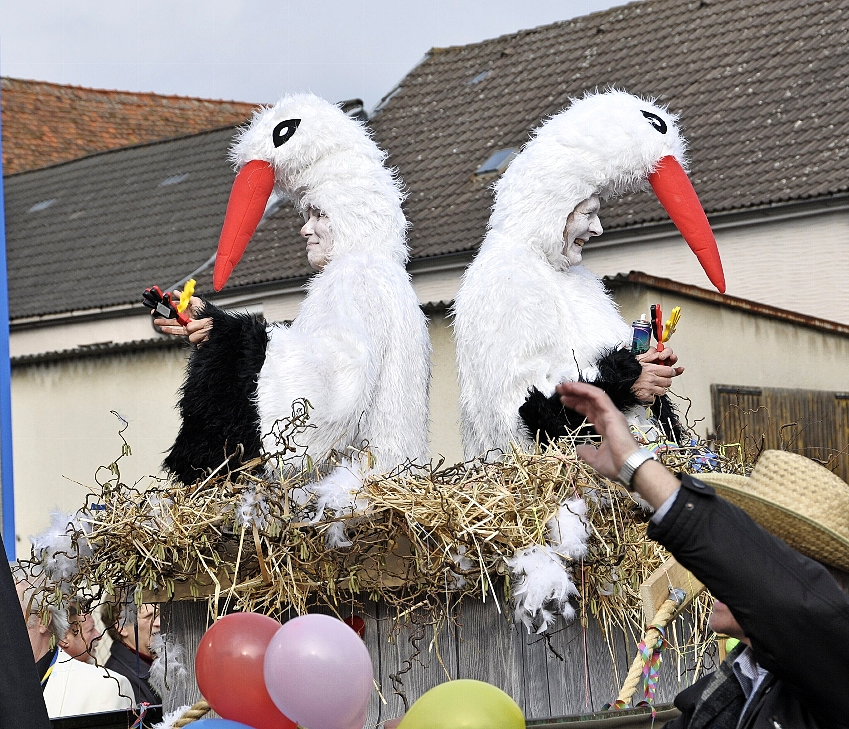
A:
{"x":319,"y":239}
{"x":581,"y":225}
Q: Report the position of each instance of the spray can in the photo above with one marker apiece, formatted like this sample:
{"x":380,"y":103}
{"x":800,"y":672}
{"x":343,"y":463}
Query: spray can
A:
{"x":641,"y":335}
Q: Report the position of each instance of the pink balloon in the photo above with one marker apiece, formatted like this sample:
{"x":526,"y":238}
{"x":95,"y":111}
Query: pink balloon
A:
{"x":318,"y":672}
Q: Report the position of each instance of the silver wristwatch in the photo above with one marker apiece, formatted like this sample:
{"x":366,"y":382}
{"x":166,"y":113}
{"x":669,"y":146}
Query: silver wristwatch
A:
{"x":632,"y":463}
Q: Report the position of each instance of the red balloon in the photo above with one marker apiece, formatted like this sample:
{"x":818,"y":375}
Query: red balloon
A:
{"x":230,"y":670}
{"x":357,"y":624}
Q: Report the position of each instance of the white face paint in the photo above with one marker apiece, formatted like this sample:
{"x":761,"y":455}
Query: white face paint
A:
{"x":581,"y":225}
{"x":319,"y":239}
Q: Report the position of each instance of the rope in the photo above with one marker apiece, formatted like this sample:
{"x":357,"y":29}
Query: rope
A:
{"x":193,"y":713}
{"x":647,"y":661}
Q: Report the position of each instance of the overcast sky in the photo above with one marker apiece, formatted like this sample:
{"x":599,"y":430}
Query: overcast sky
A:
{"x":252,"y":50}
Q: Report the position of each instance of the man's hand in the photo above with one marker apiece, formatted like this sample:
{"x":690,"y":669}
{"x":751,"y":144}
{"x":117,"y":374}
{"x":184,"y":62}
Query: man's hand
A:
{"x":197,"y":330}
{"x":656,"y":377}
{"x":617,"y":442}
{"x":653,"y":482}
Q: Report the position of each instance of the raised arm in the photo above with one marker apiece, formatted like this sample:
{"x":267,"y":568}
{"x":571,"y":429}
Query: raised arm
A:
{"x":784,"y":601}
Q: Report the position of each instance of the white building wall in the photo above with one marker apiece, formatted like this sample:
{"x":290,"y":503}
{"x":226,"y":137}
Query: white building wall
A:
{"x":799,"y":264}
{"x":63,"y":429}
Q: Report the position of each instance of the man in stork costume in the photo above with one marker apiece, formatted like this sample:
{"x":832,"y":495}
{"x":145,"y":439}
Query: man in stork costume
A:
{"x":358,"y":349}
{"x":529,"y":316}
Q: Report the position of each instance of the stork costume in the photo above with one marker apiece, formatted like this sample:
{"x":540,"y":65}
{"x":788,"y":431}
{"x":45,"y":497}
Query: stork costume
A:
{"x":528,"y":316}
{"x":358,"y":349}
{"x":526,"y":319}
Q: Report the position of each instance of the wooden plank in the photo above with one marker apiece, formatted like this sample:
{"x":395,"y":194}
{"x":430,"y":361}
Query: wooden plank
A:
{"x":489,"y":647}
{"x":655,"y":588}
{"x":185,"y":622}
{"x":568,"y":670}
{"x":414,"y":659}
{"x":535,"y":652}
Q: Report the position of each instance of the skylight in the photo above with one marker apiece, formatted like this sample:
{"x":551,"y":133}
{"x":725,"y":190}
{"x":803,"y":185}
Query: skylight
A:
{"x":43,"y":205}
{"x":497,"y":161}
{"x":477,"y":79}
{"x":174,"y":179}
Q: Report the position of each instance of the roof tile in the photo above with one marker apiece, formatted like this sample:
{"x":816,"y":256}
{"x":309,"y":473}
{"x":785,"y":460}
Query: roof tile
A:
{"x":46,"y":123}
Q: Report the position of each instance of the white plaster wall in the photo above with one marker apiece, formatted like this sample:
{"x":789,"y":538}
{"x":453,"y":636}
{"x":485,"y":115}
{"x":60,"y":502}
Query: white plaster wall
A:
{"x":444,"y":394}
{"x":801,"y":265}
{"x":73,"y":334}
{"x":63,"y":429}
{"x":720,"y":345}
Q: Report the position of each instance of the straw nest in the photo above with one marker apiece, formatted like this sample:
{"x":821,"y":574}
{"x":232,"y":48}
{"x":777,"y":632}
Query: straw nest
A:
{"x":250,"y":542}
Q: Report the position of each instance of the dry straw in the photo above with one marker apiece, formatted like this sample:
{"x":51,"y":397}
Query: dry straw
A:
{"x":249,"y":542}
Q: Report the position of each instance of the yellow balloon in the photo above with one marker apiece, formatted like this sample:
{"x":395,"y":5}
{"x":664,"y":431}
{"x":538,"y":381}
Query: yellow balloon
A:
{"x":464,"y":704}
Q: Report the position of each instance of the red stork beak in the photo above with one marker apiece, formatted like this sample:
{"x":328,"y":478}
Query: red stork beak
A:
{"x":250,"y":193}
{"x":675,"y":192}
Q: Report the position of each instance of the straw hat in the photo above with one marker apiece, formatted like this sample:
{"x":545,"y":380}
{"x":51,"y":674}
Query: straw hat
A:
{"x":796,"y":499}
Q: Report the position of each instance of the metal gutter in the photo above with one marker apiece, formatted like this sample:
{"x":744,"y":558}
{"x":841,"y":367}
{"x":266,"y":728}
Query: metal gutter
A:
{"x":733,"y":302}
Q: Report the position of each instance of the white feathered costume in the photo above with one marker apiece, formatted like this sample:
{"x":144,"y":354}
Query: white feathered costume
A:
{"x":523,"y":318}
{"x":358,"y":349}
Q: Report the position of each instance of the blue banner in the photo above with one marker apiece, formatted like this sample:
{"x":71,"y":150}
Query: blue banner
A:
{"x":6,"y":475}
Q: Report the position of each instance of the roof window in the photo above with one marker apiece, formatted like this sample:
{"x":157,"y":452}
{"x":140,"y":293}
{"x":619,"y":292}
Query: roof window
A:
{"x":497,"y":162}
{"x":43,"y":205}
{"x":477,"y":79}
{"x":174,"y":179}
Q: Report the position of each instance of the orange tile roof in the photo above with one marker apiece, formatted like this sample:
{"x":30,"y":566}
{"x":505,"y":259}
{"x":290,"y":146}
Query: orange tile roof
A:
{"x":46,"y":123}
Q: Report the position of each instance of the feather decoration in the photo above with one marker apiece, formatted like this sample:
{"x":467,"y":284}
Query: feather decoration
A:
{"x":253,"y":510}
{"x":340,"y":492}
{"x":568,"y":531}
{"x":168,"y":673}
{"x":59,"y":547}
{"x":542,"y":587}
{"x":169,"y":718}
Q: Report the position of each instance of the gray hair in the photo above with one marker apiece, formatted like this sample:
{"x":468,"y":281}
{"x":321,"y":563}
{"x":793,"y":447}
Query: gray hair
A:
{"x":39,"y":609}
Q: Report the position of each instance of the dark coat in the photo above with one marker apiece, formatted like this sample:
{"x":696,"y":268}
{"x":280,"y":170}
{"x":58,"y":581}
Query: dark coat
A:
{"x":788,"y":605}
{"x":125,"y":661}
{"x":21,"y":699}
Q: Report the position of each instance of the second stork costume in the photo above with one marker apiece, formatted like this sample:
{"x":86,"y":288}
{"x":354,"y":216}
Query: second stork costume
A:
{"x":358,"y":349}
{"x":527,"y":316}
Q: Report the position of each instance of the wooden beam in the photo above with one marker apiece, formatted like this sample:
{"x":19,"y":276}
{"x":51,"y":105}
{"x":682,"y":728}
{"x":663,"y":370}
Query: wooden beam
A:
{"x":655,"y":589}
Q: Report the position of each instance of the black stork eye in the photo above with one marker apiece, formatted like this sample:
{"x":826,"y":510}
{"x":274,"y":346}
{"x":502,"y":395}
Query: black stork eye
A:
{"x":284,"y":130}
{"x":655,"y":121}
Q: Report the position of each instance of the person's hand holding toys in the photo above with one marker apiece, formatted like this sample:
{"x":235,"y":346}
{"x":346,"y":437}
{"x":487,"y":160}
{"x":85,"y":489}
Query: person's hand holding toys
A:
{"x":163,"y":303}
{"x":662,"y":332}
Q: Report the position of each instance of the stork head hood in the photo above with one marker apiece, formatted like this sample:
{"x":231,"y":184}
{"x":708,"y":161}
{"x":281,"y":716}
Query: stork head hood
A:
{"x":310,"y":151}
{"x":607,"y":143}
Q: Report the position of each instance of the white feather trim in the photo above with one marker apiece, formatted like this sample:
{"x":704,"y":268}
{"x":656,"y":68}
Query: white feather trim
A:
{"x":464,"y":563}
{"x":60,"y":545}
{"x":172,"y":716}
{"x":542,"y":587}
{"x":568,"y":531}
{"x":341,"y":493}
{"x":168,"y":672}
{"x":252,"y":509}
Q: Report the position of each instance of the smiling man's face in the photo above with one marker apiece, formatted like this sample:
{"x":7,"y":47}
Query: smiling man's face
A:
{"x":581,"y":225}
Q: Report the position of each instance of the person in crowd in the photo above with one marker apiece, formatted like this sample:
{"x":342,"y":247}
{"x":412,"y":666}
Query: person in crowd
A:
{"x":70,"y":687}
{"x":791,"y":669}
{"x":132,"y":630}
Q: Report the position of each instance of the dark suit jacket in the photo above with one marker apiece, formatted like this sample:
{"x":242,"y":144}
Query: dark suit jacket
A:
{"x":789,"y":606}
